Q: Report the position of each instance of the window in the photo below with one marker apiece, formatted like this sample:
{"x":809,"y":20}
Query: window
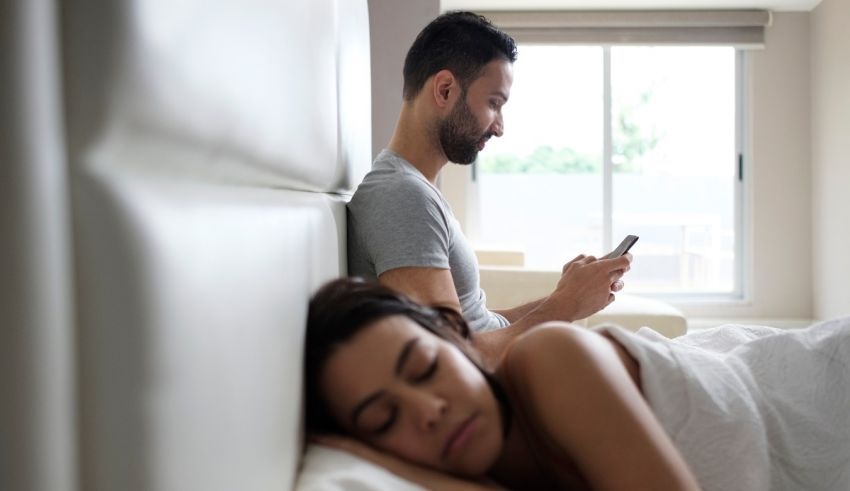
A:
{"x":601,"y":142}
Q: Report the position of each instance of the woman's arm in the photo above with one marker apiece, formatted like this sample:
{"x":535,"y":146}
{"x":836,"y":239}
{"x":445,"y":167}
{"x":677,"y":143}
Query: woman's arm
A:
{"x":574,"y":388}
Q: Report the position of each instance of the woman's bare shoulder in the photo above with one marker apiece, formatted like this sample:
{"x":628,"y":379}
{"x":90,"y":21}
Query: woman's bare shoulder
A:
{"x":548,"y":342}
{"x":572,"y":384}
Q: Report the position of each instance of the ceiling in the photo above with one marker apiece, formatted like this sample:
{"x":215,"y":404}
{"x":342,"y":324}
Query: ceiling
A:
{"x":779,"y":5}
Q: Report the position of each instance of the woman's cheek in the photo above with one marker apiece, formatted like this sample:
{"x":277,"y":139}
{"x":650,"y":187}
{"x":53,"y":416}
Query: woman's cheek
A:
{"x":414,"y":449}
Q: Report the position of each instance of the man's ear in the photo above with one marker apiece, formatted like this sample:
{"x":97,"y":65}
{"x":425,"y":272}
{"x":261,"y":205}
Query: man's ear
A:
{"x":445,"y":88}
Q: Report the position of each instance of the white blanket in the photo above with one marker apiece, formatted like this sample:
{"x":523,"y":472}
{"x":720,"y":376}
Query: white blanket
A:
{"x":753,"y":408}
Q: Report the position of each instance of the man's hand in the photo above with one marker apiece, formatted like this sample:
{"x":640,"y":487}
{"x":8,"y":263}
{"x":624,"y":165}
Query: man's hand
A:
{"x":587,"y":285}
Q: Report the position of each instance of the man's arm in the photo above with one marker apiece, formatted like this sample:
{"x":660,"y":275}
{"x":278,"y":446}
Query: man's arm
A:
{"x":433,"y":286}
{"x":428,"y":286}
{"x":516,"y":313}
{"x":584,"y":288}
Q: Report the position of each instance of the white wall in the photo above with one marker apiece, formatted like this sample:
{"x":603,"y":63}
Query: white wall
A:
{"x":830,"y":133}
{"x":393,"y":25}
{"x":779,"y":209}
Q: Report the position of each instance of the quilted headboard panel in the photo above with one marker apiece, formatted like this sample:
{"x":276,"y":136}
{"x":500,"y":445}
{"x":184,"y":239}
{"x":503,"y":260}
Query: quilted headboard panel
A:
{"x":207,"y":209}
{"x":272,"y":92}
{"x":207,"y":149}
{"x":192,"y":310}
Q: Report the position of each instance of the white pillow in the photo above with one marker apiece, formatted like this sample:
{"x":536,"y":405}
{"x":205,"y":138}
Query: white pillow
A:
{"x":327,"y":469}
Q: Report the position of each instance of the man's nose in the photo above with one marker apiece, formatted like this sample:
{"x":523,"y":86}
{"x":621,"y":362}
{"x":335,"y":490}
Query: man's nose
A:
{"x":498,"y":126}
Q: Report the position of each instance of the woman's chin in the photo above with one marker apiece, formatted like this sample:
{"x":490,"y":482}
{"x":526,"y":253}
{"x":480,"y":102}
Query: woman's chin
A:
{"x":477,"y":460}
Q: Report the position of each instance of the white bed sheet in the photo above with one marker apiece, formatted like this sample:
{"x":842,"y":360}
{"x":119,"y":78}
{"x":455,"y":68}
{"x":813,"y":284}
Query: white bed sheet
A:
{"x":750,"y":407}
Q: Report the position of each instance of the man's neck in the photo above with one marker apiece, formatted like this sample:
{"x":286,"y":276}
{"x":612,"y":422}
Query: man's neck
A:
{"x":414,"y":140}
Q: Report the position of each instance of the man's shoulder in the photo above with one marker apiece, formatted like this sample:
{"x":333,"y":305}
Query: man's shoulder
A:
{"x":389,"y":182}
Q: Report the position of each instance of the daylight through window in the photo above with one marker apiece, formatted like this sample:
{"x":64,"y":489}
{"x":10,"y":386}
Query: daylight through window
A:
{"x":601,"y":142}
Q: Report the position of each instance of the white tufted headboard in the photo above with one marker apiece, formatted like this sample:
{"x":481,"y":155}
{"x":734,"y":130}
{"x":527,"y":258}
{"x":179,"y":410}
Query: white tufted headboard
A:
{"x":207,"y":149}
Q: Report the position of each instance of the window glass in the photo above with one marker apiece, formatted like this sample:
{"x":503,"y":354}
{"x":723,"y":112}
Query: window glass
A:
{"x":673,"y":156}
{"x":541,"y":187}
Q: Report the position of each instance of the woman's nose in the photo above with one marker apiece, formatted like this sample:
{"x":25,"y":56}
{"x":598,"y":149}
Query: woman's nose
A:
{"x":429,"y":411}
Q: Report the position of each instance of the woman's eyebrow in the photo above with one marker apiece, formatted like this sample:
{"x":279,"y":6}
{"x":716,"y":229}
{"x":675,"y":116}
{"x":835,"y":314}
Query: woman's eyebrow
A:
{"x":405,"y":354}
{"x":402,"y":359}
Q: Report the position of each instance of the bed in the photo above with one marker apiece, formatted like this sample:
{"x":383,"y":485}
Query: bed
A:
{"x":206,"y":152}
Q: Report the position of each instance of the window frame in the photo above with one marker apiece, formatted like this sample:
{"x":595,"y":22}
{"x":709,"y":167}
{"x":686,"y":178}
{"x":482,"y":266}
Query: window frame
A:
{"x":461,"y":189}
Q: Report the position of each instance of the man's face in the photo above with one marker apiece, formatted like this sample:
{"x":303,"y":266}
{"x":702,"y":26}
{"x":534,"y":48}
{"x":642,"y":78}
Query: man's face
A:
{"x":477,"y":114}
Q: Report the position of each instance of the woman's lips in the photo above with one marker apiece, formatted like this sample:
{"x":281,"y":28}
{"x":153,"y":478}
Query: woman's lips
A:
{"x":461,"y":435}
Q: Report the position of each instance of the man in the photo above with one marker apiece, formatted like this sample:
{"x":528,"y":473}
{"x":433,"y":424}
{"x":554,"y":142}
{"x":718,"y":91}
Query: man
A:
{"x":457,"y":76}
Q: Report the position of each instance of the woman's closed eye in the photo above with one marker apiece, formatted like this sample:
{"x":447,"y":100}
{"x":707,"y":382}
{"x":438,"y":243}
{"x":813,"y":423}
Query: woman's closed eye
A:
{"x":393,"y":412}
{"x":388,"y":423}
{"x":428,"y":373}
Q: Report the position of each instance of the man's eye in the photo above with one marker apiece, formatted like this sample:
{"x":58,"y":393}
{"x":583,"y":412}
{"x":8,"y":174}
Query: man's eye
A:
{"x":428,"y":373}
{"x":389,"y":423}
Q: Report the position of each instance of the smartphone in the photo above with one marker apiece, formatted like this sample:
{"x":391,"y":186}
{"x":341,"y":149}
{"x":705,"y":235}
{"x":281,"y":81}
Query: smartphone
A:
{"x":623,"y":248}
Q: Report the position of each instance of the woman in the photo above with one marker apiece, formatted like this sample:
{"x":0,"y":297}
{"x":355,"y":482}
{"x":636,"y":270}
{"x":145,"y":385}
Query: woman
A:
{"x":564,"y":408}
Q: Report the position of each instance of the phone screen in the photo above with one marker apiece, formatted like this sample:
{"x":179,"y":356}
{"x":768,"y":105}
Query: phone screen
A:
{"x":624,"y":247}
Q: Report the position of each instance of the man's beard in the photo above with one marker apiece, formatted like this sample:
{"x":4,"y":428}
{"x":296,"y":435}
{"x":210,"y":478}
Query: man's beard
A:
{"x":459,"y":134}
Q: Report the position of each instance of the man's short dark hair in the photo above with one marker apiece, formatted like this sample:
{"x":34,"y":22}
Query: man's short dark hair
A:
{"x":461,"y":42}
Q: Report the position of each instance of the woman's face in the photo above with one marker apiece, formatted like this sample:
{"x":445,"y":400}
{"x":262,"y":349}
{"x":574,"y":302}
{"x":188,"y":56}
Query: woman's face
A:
{"x":402,"y":389}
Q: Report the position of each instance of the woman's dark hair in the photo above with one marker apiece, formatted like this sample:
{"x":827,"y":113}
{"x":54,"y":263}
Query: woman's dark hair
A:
{"x":342,"y":307}
{"x":461,"y":42}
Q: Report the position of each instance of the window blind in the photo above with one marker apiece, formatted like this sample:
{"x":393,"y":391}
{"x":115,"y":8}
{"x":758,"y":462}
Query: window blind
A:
{"x":739,"y":28}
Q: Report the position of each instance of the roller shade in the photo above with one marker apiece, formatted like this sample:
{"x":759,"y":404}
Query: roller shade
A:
{"x":739,"y":28}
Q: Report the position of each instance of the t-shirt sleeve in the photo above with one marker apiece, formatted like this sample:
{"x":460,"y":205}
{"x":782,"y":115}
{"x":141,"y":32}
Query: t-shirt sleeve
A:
{"x":402,"y":225}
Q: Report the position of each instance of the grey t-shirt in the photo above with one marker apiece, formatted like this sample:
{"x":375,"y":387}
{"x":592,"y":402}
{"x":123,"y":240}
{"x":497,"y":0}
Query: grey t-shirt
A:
{"x":397,"y":219}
